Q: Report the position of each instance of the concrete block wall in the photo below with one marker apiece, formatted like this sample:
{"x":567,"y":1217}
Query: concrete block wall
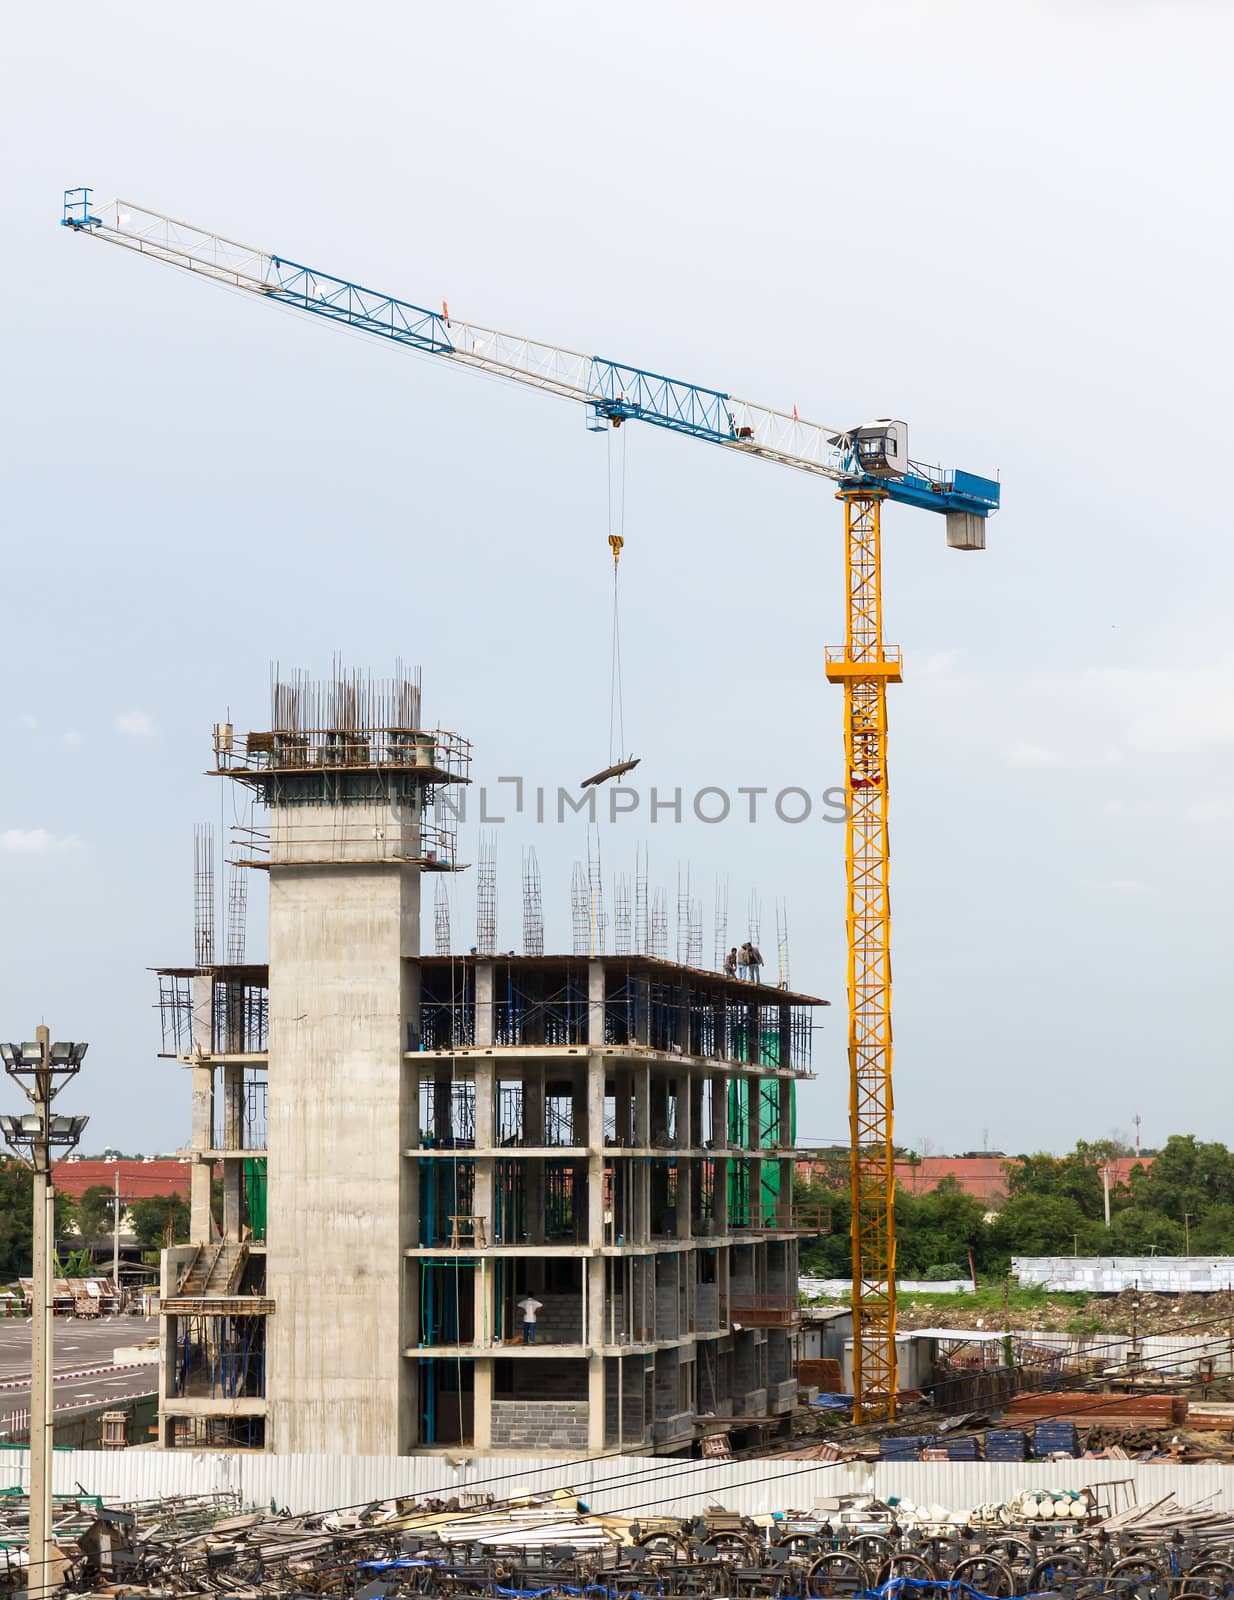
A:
{"x":668,"y":1320}
{"x":779,"y":1356}
{"x":559,"y":1320}
{"x":540,"y":1424}
{"x":666,"y":1387}
{"x":706,"y":1308}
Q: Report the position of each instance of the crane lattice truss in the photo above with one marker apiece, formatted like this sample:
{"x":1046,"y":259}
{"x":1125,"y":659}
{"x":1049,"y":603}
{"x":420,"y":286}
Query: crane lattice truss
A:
{"x":870,"y":464}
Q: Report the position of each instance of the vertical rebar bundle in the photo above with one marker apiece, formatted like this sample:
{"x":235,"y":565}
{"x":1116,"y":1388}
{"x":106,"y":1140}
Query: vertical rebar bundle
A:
{"x":658,"y":939}
{"x":441,"y":918}
{"x":694,"y":934}
{"x":641,"y":945}
{"x":533,"y":905}
{"x":683,"y":913}
{"x":349,"y":701}
{"x":756,"y":918}
{"x":486,"y":896}
{"x":580,"y":911}
{"x":595,"y":897}
{"x":203,"y":894}
{"x":237,"y":913}
{"x":622,"y":921}
{"x":782,"y":943}
{"x":720,"y":946}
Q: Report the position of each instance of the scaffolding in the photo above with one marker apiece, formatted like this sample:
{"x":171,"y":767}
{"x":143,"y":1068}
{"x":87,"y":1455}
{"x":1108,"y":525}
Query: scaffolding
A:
{"x":220,"y":1357}
{"x":546,"y":1003}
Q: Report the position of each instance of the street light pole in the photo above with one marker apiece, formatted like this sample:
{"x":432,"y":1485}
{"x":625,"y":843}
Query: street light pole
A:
{"x":41,"y":1069}
{"x":115,"y":1238}
{"x":42,"y":1339}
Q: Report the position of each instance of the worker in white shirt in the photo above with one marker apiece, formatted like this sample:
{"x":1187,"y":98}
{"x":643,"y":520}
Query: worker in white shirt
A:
{"x":530,"y":1307}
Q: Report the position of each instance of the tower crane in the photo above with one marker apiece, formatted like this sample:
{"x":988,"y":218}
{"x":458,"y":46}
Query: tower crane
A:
{"x":869,"y":464}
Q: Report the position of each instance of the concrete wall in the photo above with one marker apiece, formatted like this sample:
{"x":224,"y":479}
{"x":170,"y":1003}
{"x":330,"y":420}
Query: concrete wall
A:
{"x":1113,"y":1274}
{"x":339,"y":1195}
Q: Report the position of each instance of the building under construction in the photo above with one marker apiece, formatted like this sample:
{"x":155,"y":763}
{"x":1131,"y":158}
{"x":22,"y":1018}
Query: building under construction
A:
{"x":414,"y":1147}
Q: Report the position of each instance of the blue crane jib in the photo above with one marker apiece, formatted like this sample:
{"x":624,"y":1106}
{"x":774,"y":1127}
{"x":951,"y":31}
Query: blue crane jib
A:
{"x":874,"y":455}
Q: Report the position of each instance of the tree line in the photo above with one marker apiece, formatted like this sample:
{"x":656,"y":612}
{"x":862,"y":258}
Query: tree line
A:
{"x":1181,"y":1204}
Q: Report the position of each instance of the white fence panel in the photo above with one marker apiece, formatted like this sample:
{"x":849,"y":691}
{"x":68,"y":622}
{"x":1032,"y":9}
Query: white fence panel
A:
{"x":628,"y":1484}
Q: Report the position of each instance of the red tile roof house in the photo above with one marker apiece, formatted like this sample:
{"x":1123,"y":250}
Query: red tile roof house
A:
{"x":982,"y":1176}
{"x":139,"y":1180}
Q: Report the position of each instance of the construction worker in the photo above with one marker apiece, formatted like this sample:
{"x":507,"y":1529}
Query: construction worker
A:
{"x":743,"y":961}
{"x":756,"y":961}
{"x":730,"y":963}
{"x":530,"y":1307}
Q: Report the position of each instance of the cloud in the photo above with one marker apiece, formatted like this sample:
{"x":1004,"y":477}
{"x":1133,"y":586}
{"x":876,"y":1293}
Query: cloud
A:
{"x":27,"y":720}
{"x":135,"y":723}
{"x":36,"y":842}
{"x":1023,"y":754}
{"x":72,"y":738}
{"x":1173,"y":711}
{"x":1213,"y":808}
{"x":1119,"y":885}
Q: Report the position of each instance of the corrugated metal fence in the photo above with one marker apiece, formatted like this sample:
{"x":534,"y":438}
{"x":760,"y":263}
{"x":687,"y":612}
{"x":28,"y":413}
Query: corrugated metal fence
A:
{"x":630,"y":1484}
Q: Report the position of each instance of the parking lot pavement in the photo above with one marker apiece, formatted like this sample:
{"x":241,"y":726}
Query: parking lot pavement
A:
{"x":78,"y":1345}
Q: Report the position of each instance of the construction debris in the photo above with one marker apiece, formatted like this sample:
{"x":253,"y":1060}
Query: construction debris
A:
{"x":1072,"y":1543}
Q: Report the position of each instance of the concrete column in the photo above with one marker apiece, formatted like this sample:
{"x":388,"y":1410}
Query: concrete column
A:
{"x":642,"y":1106}
{"x":681,"y":1025}
{"x":659,"y":1107}
{"x":484,"y":1198}
{"x":201,"y":1137}
{"x":596,"y":1065}
{"x":482,"y":1425}
{"x":785,"y":1052}
{"x":484,"y":1319}
{"x":785,"y":1087}
{"x":685,"y":1161}
{"x":343,"y":937}
{"x":595,"y":1334}
{"x":485,"y":1020}
{"x":719,"y":1110}
{"x":595,"y":1403}
{"x":784,"y":1207}
{"x":533,"y":1104}
{"x":623,"y":1129}
{"x":595,"y":1004}
{"x":201,"y":1226}
{"x":233,"y":1139}
{"x":533,"y":1134}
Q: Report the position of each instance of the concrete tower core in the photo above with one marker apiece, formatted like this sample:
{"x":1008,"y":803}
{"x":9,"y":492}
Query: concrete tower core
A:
{"x":346,"y":774}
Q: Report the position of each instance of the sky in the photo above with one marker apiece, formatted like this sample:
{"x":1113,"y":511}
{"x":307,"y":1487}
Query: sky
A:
{"x":1009,"y":225}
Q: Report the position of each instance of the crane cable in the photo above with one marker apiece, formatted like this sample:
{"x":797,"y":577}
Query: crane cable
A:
{"x":616,"y":540}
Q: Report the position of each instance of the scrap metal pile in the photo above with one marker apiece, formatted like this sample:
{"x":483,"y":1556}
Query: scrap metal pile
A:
{"x":551,"y":1545}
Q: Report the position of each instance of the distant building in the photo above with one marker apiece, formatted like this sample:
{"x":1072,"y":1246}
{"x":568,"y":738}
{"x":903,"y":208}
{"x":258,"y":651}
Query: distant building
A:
{"x":139,"y":1180}
{"x":984,"y":1177}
